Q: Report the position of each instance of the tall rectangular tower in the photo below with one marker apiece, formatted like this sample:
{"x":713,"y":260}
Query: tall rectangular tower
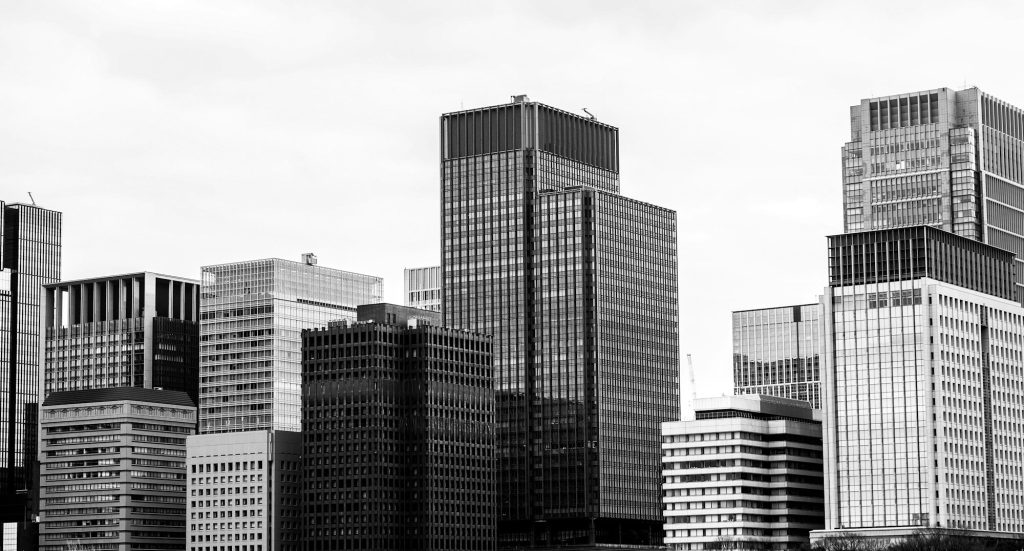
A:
{"x":922,"y":386}
{"x":578,"y":287}
{"x":137,"y":330}
{"x":30,"y":252}
{"x":251,"y":319}
{"x":777,"y":352}
{"x":949,"y":159}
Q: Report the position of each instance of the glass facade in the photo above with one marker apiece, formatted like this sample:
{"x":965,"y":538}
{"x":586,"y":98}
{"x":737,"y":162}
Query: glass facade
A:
{"x":922,"y":385}
{"x":777,"y":352}
{"x":251,"y":318}
{"x":577,"y":285}
{"x":30,"y":254}
{"x":949,"y":159}
{"x":132,"y":330}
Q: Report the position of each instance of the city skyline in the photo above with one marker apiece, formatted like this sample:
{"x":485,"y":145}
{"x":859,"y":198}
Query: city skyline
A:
{"x":249,"y":101}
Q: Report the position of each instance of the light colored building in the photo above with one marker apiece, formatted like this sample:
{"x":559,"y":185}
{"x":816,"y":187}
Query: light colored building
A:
{"x":423,"y":288}
{"x":243,"y":491}
{"x":951,"y":159}
{"x":744,"y":474}
{"x":923,"y":387}
{"x":127,"y":330}
{"x":251,"y":318}
{"x":112,"y":469}
{"x":777,"y":352}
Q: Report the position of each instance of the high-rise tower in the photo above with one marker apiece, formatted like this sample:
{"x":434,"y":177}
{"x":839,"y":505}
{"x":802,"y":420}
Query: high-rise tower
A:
{"x":577,"y":284}
{"x":949,"y":159}
{"x":30,"y":253}
{"x":922,"y":386}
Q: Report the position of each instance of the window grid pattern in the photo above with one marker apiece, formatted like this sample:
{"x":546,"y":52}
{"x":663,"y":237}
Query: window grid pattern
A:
{"x":251,"y":318}
{"x":777,"y":352}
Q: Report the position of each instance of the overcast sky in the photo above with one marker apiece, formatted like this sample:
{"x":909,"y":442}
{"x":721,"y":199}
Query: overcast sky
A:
{"x":177,"y":134}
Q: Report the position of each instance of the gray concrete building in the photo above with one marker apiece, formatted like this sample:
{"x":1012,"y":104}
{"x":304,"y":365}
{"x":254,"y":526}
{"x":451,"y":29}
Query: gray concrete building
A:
{"x":244,"y":491}
{"x":112,"y":469}
{"x":744,"y":474}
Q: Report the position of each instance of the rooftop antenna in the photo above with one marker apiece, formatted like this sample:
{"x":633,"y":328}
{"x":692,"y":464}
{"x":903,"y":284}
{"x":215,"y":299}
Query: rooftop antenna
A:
{"x":592,"y":117}
{"x":32,"y":198}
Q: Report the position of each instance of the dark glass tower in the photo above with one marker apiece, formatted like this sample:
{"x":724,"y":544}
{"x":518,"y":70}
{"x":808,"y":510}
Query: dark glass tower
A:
{"x":577,"y":285}
{"x":30,"y":253}
{"x":397,"y":435}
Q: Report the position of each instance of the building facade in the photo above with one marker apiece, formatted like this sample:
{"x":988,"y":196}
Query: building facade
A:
{"x":251,"y":318}
{"x":950,"y":159}
{"x":745,"y":473}
{"x":244,"y":491}
{"x":423,"y":288}
{"x":922,"y":384}
{"x":398,"y":436}
{"x":112,"y":473}
{"x":577,"y":285}
{"x":30,"y":255}
{"x":130,"y":330}
{"x":777,"y":352}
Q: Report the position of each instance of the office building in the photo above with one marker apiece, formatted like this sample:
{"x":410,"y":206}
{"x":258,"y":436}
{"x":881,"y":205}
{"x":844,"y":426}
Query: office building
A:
{"x":577,"y":285}
{"x":949,"y":159}
{"x":112,"y":475}
{"x":745,"y":474}
{"x":30,"y":252}
{"x":137,"y":330}
{"x":423,"y":288}
{"x":251,"y":317}
{"x":250,"y":327}
{"x":777,"y":352}
{"x":397,"y":436}
{"x":244,"y":491}
{"x":922,"y":386}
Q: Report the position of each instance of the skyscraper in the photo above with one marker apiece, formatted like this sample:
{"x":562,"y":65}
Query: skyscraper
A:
{"x":30,"y":250}
{"x":922,"y":386}
{"x":137,"y":330}
{"x":949,"y":159}
{"x":251,"y":320}
{"x":398,"y":435}
{"x":777,"y":352}
{"x":577,"y":284}
{"x":423,"y":288}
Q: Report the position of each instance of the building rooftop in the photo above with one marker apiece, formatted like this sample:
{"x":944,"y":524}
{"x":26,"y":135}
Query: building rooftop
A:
{"x":119,"y":276}
{"x":118,"y":394}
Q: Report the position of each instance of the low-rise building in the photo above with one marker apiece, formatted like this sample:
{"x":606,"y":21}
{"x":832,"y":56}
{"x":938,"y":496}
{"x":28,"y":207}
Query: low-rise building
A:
{"x":745,"y":474}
